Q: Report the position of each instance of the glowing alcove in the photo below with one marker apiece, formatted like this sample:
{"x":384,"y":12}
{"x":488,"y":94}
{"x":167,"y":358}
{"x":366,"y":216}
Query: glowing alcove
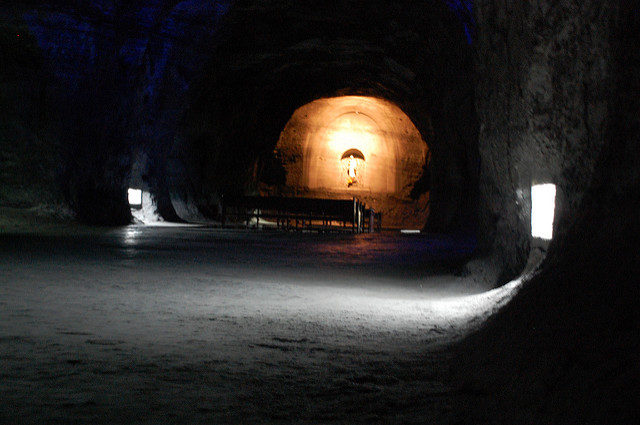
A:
{"x":348,"y":146}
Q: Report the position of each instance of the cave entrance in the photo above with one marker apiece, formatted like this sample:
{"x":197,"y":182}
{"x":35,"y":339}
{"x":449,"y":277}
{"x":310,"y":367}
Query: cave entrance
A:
{"x":356,"y":146}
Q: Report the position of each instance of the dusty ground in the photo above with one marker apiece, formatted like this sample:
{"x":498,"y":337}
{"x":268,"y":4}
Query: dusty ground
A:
{"x":193,"y":325}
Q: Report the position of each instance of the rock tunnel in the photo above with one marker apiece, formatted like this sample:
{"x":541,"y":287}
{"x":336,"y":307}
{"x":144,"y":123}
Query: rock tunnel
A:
{"x":356,"y":146}
{"x":477,"y":101}
{"x":290,"y":103}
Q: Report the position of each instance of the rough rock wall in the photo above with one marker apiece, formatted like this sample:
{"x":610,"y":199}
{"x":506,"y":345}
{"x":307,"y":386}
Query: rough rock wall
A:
{"x":28,"y":146}
{"x":542,"y":103}
{"x":117,"y":74}
{"x":271,"y":57}
{"x":566,"y":349}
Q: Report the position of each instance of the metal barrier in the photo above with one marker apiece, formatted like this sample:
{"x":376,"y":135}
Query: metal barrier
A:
{"x":302,"y":213}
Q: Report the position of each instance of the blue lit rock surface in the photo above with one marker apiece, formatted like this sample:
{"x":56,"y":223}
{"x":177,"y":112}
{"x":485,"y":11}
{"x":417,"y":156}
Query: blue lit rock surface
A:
{"x":103,"y":80}
{"x":117,"y":77}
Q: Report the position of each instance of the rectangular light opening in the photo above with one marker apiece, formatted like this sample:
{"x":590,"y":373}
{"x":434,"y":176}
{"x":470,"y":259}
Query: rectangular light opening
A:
{"x":135,"y":197}
{"x":543,"y":206}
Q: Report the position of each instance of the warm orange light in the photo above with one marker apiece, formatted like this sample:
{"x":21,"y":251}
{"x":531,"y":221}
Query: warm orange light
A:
{"x":353,"y":166}
{"x":353,"y":146}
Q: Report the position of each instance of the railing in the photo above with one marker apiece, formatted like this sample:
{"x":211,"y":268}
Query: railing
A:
{"x":311,"y":214}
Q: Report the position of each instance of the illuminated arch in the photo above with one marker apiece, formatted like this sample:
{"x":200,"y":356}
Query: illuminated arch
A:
{"x":389,"y":150}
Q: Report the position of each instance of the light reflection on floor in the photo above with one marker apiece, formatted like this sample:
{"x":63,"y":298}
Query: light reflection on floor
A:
{"x":246,"y":312}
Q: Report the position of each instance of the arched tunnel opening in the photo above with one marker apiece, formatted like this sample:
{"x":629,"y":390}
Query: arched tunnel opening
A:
{"x":506,"y":133}
{"x":355,"y":146}
{"x":293,"y":104}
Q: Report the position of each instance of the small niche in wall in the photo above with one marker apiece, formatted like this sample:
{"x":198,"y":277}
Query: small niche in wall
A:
{"x":352,"y":166}
{"x":543,"y":205}
{"x":135,"y":198}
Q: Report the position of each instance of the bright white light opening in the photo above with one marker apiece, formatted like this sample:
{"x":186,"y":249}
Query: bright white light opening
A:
{"x":543,"y":205}
{"x":135,"y":197}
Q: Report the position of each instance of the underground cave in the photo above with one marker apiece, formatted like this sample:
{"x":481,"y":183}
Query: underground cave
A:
{"x":505,"y":132}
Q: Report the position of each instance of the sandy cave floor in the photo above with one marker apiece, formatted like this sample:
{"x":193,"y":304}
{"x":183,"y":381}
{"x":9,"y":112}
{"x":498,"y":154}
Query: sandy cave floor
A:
{"x":195,"y":325}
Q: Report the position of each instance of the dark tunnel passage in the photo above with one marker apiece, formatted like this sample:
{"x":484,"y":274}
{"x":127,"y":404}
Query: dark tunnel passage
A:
{"x":507,"y":132}
{"x":168,"y":115}
{"x":252,"y":88}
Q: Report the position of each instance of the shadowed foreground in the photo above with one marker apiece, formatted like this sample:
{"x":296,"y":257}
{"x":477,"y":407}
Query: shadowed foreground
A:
{"x":147,"y":324}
